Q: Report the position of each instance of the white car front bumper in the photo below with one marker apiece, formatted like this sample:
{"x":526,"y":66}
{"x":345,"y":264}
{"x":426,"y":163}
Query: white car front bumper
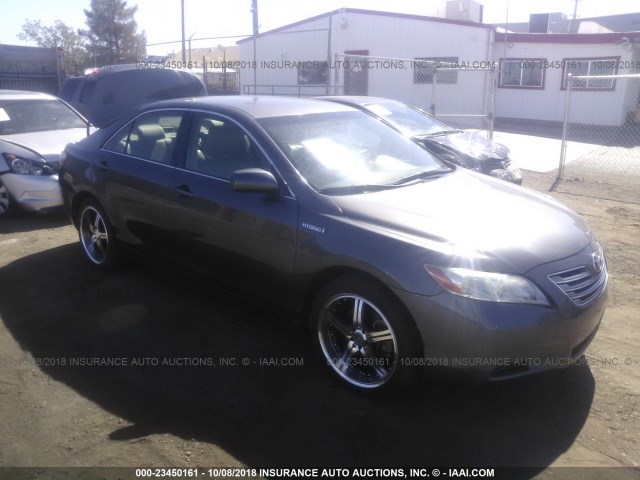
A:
{"x":32,"y":192}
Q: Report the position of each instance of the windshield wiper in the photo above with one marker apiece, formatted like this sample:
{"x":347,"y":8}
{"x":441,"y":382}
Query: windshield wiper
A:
{"x":362,"y":188}
{"x":435,"y":134}
{"x":421,"y":175}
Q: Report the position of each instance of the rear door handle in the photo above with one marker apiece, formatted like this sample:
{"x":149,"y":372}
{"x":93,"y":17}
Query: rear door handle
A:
{"x":104,"y":166}
{"x":184,"y":192}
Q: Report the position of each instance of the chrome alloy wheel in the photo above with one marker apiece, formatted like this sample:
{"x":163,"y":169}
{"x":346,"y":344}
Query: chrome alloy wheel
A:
{"x":94,"y":235}
{"x":357,"y":341}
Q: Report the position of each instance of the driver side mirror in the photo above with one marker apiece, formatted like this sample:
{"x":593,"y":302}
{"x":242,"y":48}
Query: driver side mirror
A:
{"x":254,"y":180}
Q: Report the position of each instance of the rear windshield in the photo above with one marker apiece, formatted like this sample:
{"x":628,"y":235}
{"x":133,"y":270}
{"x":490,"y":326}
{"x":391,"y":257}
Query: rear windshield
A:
{"x":69,"y":87}
{"x":408,"y":120}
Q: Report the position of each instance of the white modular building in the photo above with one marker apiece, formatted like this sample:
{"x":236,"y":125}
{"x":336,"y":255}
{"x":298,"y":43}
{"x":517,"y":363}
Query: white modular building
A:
{"x":454,"y":66}
{"x":533,"y":82}
{"x":362,"y":52}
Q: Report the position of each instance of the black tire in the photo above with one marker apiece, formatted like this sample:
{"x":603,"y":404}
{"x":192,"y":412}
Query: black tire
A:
{"x":7,"y":204}
{"x":365,"y":335}
{"x":96,"y":236}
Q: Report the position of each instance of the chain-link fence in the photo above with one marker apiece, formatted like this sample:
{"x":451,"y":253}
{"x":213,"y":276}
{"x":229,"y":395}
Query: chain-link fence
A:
{"x":456,"y":92}
{"x":469,"y":102}
{"x":460,"y":93}
{"x":221,"y":82}
{"x":601,"y":134}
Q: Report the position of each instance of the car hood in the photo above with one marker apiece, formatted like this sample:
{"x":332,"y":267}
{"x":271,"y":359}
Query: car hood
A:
{"x":473,"y":220}
{"x":473,"y":143}
{"x":50,"y":144}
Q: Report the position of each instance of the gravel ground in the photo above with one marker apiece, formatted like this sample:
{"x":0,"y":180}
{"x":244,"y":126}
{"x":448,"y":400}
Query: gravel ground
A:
{"x":181,"y":402}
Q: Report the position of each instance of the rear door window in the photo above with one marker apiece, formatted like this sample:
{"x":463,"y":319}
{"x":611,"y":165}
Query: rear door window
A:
{"x":152,"y":136}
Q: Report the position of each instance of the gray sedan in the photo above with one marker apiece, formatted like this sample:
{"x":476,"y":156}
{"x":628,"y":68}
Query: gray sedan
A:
{"x":394,"y":259}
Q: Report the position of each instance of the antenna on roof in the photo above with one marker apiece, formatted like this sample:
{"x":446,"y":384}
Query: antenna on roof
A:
{"x":254,"y":11}
{"x":575,"y":14}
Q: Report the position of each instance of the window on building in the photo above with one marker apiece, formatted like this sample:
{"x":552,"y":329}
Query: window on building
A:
{"x":591,"y":67}
{"x":425,"y":68}
{"x":522,"y":73}
{"x":313,"y":73}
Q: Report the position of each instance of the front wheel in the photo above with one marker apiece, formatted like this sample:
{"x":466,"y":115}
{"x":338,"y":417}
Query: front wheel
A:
{"x":7,"y":205}
{"x":365,"y":335}
{"x":96,"y":236}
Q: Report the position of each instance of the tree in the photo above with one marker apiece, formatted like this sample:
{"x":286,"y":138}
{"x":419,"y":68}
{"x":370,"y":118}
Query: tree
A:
{"x":59,"y":35}
{"x":113,"y":35}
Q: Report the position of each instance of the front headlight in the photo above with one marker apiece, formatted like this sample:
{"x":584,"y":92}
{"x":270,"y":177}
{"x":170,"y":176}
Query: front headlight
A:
{"x":488,"y":286}
{"x":25,"y":166}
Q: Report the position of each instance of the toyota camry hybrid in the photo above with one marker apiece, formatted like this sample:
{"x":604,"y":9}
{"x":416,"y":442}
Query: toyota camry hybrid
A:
{"x":393,"y":258}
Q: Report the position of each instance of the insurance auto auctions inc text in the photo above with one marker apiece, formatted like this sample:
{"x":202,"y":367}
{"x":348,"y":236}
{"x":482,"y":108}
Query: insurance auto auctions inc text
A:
{"x":375,"y":473}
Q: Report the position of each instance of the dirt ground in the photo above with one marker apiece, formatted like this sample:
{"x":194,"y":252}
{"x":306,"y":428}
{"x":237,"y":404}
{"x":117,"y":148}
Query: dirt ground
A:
{"x":178,"y":400}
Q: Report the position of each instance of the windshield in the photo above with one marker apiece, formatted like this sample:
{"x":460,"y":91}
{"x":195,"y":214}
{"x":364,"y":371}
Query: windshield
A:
{"x":349,"y":149}
{"x":24,"y":116}
{"x":407,"y":119}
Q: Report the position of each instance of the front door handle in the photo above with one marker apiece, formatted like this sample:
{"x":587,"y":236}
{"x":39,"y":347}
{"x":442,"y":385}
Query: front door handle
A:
{"x":184,"y":192}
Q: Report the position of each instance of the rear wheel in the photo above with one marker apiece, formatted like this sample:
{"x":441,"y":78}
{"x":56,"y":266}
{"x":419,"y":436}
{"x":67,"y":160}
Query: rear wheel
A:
{"x":365,"y":335}
{"x":96,"y":236}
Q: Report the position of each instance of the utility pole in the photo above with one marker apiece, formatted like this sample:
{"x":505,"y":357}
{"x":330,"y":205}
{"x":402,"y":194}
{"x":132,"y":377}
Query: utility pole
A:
{"x":254,"y":11}
{"x":503,"y":64}
{"x":575,"y":14}
{"x":184,"y":53}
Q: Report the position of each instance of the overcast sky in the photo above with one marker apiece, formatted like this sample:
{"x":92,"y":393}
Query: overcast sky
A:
{"x":217,"y":18}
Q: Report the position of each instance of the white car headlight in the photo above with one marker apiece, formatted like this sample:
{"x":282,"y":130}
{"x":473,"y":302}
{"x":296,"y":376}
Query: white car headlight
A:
{"x":488,"y":286}
{"x":25,"y":166}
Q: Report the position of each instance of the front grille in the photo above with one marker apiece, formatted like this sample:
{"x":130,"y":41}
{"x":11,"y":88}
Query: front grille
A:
{"x":581,"y":284}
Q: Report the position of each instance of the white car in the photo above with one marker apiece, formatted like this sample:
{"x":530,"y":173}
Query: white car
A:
{"x":34,"y":129}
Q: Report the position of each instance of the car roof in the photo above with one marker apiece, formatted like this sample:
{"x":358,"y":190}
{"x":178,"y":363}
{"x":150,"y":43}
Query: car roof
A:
{"x":259,"y":106}
{"x":23,"y":95}
{"x":108,"y":70}
{"x":357,"y":100}
{"x":363,"y":102}
{"x":105,"y":69}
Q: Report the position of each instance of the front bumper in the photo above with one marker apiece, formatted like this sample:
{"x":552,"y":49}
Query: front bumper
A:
{"x":510,"y":173}
{"x":33,"y":192}
{"x":497,"y":341}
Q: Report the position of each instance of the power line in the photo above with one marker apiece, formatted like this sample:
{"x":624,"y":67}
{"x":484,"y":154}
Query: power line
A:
{"x":195,"y":39}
